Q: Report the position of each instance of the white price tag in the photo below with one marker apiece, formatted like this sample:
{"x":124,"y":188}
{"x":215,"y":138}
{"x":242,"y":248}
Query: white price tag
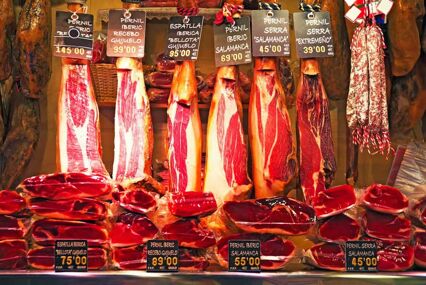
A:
{"x":353,"y":14}
{"x":373,"y":8}
{"x":350,"y":2}
{"x":385,"y":6}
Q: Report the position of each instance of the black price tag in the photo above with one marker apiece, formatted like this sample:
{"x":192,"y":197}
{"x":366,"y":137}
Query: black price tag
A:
{"x":232,"y":43}
{"x":244,"y":255}
{"x":184,"y":37}
{"x":313,"y":34}
{"x":270,"y":33}
{"x":71,"y":256}
{"x":126,"y":33}
{"x":162,"y":256}
{"x":73,"y":35}
{"x":361,"y":256}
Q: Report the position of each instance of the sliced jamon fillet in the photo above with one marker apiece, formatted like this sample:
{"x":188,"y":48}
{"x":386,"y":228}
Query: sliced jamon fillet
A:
{"x":64,"y":186}
{"x":160,"y":79}
{"x":334,"y":201}
{"x":420,"y":248}
{"x":45,"y":232}
{"x":418,"y":211}
{"x":283,"y":216}
{"x":76,"y":209}
{"x":43,"y":258}
{"x":135,"y":200}
{"x":340,"y":228}
{"x":13,"y":254}
{"x":184,"y":130}
{"x":394,"y":255}
{"x":316,"y":154}
{"x":133,"y":140}
{"x":189,"y":260}
{"x":189,"y":234}
{"x":226,"y":151}
{"x":386,"y":226}
{"x":191,"y":204}
{"x":271,"y":140}
{"x":132,"y":229}
{"x":13,"y":228}
{"x":78,"y":136}
{"x":385,"y":199}
{"x":275,"y":252}
{"x":11,"y":202}
{"x":330,"y":256}
{"x":129,"y":258}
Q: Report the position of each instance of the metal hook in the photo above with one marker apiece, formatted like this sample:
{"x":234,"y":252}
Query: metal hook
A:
{"x":127,"y":14}
{"x":270,"y":13}
{"x":74,"y":17}
{"x":186,"y":20}
{"x":311,"y":15}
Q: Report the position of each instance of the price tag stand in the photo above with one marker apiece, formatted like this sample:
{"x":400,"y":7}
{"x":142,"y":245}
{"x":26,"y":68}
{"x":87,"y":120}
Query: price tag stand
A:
{"x":244,"y":256}
{"x":361,"y":256}
{"x":162,"y":256}
{"x":71,"y":256}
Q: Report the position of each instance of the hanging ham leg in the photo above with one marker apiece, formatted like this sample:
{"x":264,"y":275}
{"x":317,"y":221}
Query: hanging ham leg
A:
{"x":271,"y":140}
{"x":226,"y":162}
{"x":184,"y":126}
{"x":7,"y":25}
{"x":316,"y":154}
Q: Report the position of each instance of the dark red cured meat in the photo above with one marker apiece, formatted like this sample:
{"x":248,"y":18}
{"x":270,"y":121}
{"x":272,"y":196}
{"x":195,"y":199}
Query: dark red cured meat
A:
{"x":76,"y":209}
{"x":385,"y":199}
{"x":45,"y":232}
{"x":418,"y":211}
{"x":165,"y":63}
{"x":63,"y":186}
{"x":13,"y":254}
{"x":275,"y":251}
{"x":330,"y":256}
{"x":386,"y":226}
{"x":13,"y":228}
{"x":135,"y":200}
{"x":160,"y":79}
{"x":189,"y":260}
{"x":420,"y":248}
{"x":394,"y":255}
{"x":280,"y":215}
{"x":339,"y":228}
{"x":189,"y":234}
{"x":11,"y":202}
{"x":129,"y":258}
{"x":158,"y":95}
{"x":334,"y":201}
{"x":191,"y":204}
{"x":44,"y":258}
{"x":132,"y":229}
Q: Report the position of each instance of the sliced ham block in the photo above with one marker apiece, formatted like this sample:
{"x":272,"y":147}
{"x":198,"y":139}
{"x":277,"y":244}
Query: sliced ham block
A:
{"x":386,"y":226}
{"x":271,"y":140}
{"x":43,"y":258}
{"x":283,"y":216}
{"x":11,"y":202}
{"x":189,"y":260}
{"x":135,"y":200}
{"x":77,"y":209}
{"x":189,"y":234}
{"x":420,"y":248}
{"x":13,"y":228}
{"x":394,"y":256}
{"x":13,"y":254}
{"x":78,"y":135}
{"x":340,"y":228}
{"x":384,"y":199}
{"x":330,"y":256}
{"x":129,"y":258}
{"x":132,"y":229}
{"x":226,"y":150}
{"x":158,"y":95}
{"x":45,"y":232}
{"x":418,"y":211}
{"x":275,"y":252}
{"x":160,"y":79}
{"x":334,"y":201}
{"x":191,"y":204}
{"x":64,"y":186}
{"x":165,"y":63}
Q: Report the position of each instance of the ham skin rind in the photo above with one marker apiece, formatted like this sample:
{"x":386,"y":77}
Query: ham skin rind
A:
{"x":385,"y":199}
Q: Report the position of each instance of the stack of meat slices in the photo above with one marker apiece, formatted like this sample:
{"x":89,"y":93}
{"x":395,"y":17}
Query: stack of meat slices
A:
{"x":68,"y":206}
{"x":418,"y":216}
{"x":14,"y":225}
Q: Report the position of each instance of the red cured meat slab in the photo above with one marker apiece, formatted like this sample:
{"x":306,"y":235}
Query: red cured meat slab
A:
{"x":189,"y":260}
{"x":13,"y":228}
{"x":64,"y":186}
{"x":43,"y":258}
{"x":284,"y":216}
{"x":334,"y":201}
{"x":45,"y":232}
{"x":11,"y":202}
{"x":189,"y":234}
{"x":76,"y":209}
{"x":386,"y":226}
{"x":13,"y":254}
{"x":420,"y":248}
{"x":418,"y":211}
{"x":339,"y":228}
{"x":275,"y":252}
{"x":160,"y":79}
{"x":384,"y":199}
{"x":330,"y":256}
{"x":191,"y":204}
{"x":132,"y":229}
{"x":129,"y":258}
{"x":394,"y":256}
{"x":165,"y":63}
{"x":158,"y":95}
{"x":135,"y":200}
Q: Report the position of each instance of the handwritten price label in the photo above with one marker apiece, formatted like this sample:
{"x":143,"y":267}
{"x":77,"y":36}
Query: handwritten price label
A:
{"x":183,"y":41}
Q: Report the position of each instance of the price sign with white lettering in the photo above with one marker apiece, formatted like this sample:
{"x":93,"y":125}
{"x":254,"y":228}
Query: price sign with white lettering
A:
{"x":244,"y":255}
{"x":126,"y":33}
{"x":73,"y":36}
{"x":71,"y":256}
{"x":184,"y":37}
{"x":270,"y":33}
{"x":162,"y":256}
{"x":232,"y":43}
{"x":361,"y":256}
{"x":313,"y":34}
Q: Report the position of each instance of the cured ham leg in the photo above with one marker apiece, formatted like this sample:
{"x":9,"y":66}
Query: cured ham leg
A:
{"x":226,"y":161}
{"x":133,"y":126}
{"x":316,"y":155}
{"x":184,"y":128}
{"x":271,"y":140}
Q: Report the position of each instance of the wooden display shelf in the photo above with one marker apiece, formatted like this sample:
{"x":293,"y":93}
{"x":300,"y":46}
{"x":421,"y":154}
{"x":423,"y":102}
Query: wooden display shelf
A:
{"x":201,"y":106}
